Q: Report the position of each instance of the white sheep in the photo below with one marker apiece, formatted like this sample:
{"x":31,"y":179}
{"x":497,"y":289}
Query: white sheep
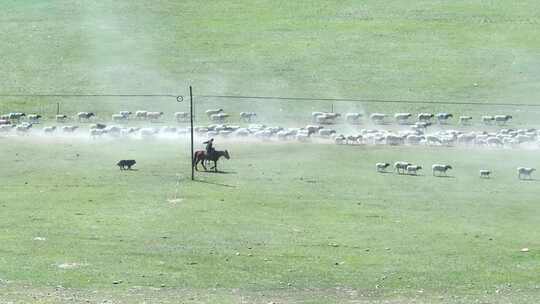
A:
{"x":61,"y":118}
{"x":16,"y":116}
{"x":402,"y":118}
{"x":488,"y":120}
{"x":219,"y":117}
{"x":69,"y":129}
{"x":154,"y":115}
{"x":94,"y":133}
{"x":414,"y":139}
{"x":413,"y":169}
{"x":525,"y":173}
{"x":181,"y":116}
{"x":401,"y":166}
{"x":85,"y":115}
{"x":213,"y":112}
{"x":49,"y":130}
{"x":118,"y":117}
{"x":377,"y":118}
{"x":353,"y":118}
{"x":502,"y":119}
{"x":140,"y":114}
{"x":248,"y":116}
{"x":465,"y":120}
{"x":425,"y":117}
{"x":326,"y":132}
{"x":442,"y":118}
{"x":126,"y":114}
{"x":440,"y":169}
{"x":34,"y":118}
{"x":23,"y":128}
{"x":381,"y":167}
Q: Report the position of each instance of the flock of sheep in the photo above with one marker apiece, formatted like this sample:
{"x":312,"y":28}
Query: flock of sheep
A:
{"x":22,"y":124}
{"x":419,"y":132}
{"x":402,"y":167}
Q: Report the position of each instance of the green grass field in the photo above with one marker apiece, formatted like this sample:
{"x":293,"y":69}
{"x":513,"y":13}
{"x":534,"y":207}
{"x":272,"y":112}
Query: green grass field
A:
{"x":288,"y":223}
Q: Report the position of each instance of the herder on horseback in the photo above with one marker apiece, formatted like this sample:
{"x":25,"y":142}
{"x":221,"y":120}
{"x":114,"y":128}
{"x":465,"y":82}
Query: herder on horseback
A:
{"x":209,"y":155}
{"x":209,"y":147}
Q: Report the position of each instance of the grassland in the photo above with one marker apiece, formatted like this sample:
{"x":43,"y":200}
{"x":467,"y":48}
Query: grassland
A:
{"x":289,"y":223}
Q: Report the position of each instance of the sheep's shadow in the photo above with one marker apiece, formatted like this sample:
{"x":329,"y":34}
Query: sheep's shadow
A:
{"x":444,"y":176}
{"x":530,"y":180}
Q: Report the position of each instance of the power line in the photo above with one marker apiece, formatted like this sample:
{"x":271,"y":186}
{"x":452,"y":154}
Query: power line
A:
{"x":180,"y":98}
{"x":370,"y":100}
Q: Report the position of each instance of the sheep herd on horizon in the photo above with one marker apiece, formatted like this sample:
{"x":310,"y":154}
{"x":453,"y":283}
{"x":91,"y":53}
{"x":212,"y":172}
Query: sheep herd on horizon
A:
{"x":417,"y":133}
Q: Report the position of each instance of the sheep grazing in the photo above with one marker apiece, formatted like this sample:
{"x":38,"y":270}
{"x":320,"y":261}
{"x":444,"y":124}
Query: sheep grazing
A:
{"x":153,"y":116}
{"x":381,"y":167}
{"x":402,"y":118}
{"x":126,"y":164}
{"x":61,"y":118}
{"x":413,"y":169}
{"x":377,"y":118}
{"x":440,"y":169}
{"x":400,"y":166}
{"x":5,"y":122}
{"x":502,"y":119}
{"x":485,"y":173}
{"x":525,"y":173}
{"x":353,"y":118}
{"x":211,"y":112}
{"x":140,"y":114}
{"x":312,"y":129}
{"x":49,"y":130}
{"x":488,"y":120}
{"x":248,"y":116}
{"x":181,"y":116}
{"x":34,"y":118}
{"x":465,"y":120}
{"x":425,"y":117}
{"x":442,"y":118}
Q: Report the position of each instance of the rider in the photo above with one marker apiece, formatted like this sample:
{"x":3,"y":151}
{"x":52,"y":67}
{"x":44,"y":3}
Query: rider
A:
{"x":209,"y":146}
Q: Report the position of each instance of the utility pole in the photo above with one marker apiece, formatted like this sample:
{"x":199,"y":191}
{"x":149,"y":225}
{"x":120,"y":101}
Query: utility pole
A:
{"x":191,"y":131}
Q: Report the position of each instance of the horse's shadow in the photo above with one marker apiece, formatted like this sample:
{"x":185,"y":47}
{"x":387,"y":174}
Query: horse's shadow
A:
{"x":214,"y":183}
{"x":218,"y":172}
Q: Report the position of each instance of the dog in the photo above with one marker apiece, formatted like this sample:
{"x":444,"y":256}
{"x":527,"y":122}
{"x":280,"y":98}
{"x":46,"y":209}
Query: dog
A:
{"x":126,"y":164}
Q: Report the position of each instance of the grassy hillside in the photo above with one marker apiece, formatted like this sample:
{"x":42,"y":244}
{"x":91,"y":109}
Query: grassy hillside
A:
{"x":428,"y":50}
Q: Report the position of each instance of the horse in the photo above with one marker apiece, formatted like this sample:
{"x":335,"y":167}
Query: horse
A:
{"x":201,"y":156}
